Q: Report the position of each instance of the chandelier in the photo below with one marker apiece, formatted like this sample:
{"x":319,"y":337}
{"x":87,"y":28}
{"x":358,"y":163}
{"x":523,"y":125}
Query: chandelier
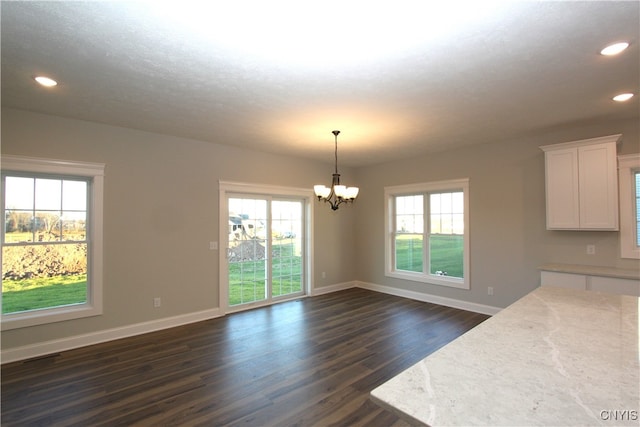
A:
{"x":337,"y":194}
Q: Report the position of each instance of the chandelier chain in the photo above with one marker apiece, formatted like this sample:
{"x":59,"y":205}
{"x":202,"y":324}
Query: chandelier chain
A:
{"x":335,"y":135}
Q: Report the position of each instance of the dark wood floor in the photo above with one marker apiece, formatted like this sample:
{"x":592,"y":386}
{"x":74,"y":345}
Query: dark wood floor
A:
{"x":306,"y":362}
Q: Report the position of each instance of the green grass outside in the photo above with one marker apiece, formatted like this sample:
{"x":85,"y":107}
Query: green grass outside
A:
{"x":246,"y":279}
{"x":446,"y":254}
{"x":33,"y":294}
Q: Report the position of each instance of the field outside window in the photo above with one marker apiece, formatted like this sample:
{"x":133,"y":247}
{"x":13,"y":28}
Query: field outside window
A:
{"x":428,"y":233}
{"x":44,"y":256}
{"x":51,"y":241}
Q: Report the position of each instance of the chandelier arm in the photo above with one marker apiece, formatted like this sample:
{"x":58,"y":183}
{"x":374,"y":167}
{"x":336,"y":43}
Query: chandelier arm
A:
{"x":331,"y":196}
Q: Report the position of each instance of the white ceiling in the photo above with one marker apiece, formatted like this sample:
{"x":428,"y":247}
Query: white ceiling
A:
{"x":397,"y":78}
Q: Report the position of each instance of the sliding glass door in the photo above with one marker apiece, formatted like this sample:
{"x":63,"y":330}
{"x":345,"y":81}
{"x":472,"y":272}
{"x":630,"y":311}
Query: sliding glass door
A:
{"x":247,"y":254}
{"x":265,"y":251}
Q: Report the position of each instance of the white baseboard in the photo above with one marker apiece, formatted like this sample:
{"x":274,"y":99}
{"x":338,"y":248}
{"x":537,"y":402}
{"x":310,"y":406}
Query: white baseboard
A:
{"x":55,"y":346}
{"x":434,"y":299}
{"x":333,"y":288}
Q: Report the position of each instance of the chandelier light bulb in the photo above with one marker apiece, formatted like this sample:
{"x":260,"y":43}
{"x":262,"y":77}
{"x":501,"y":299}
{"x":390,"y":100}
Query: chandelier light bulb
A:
{"x":322,"y":191}
{"x":352,"y":192}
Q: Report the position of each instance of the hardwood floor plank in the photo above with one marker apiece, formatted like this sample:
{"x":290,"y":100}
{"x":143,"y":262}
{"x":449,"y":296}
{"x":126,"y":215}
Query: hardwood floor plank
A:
{"x":309,"y":362}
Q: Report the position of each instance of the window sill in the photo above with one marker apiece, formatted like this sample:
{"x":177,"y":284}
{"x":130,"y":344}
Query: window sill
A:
{"x":450,"y":282}
{"x":45,"y":316}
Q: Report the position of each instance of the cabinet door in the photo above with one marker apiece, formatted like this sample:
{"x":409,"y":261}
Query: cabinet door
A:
{"x":561,"y":174}
{"x":598,"y":187}
{"x":563,"y":280}
{"x":615,"y":286}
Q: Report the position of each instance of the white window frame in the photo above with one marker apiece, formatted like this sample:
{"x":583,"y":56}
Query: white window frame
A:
{"x":230,"y":188}
{"x":628,"y":166}
{"x":94,"y":172}
{"x":425,"y":188}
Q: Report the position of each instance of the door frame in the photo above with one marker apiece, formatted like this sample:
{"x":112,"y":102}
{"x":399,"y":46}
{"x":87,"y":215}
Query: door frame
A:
{"x":260,"y":190}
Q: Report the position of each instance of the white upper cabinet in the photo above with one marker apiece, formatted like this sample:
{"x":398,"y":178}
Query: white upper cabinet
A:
{"x":582,"y":184}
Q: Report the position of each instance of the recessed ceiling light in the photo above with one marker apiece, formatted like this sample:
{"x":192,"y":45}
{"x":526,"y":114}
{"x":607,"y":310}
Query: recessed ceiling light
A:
{"x":623,"y":97}
{"x":614,"y":49}
{"x":45,"y":81}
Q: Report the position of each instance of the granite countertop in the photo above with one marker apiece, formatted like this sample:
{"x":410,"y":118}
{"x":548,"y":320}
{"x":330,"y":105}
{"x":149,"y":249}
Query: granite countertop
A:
{"x":590,"y":270}
{"x":555,"y":357}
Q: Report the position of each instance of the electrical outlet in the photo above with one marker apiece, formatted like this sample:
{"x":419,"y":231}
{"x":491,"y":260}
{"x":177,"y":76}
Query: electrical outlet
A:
{"x":490,"y":290}
{"x":591,"y":249}
{"x":213,"y":246}
{"x":324,"y":275}
{"x":157,"y":302}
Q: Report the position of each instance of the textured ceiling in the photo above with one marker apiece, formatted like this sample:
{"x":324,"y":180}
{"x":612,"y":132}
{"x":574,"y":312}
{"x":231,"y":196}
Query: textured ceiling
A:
{"x":397,"y":78}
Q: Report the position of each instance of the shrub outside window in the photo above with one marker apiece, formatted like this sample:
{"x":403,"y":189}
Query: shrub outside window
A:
{"x":51,"y":241}
{"x":427,"y":233}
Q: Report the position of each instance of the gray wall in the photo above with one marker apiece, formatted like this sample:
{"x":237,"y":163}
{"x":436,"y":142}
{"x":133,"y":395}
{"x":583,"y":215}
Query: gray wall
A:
{"x":508,"y":238}
{"x":161,"y":211}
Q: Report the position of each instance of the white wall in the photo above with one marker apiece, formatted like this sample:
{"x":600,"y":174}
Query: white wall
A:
{"x":161,"y":211}
{"x":508,"y":237}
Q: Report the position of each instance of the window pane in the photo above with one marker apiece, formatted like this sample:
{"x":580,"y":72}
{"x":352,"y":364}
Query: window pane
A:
{"x":445,"y":203}
{"x":457,"y":202}
{"x":447,"y":213}
{"x":446,"y":255}
{"x":286,"y":221}
{"x":248,"y":255}
{"x":434,"y":203}
{"x":409,"y":224}
{"x":409,"y":204}
{"x":74,"y":195}
{"x":47,"y":226}
{"x":48,"y":223}
{"x":74,"y":226}
{"x":447,"y":224}
{"x":43,"y":276}
{"x":446,"y":240}
{"x":18,"y":226}
{"x":409,"y":214}
{"x":458,"y":223}
{"x":48,"y":194}
{"x":18,"y":193}
{"x":436,"y":224}
{"x":409,"y":252}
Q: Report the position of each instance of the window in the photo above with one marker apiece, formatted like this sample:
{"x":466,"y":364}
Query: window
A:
{"x":629,"y":179}
{"x":267,"y":236}
{"x":51,"y":241}
{"x":427,"y":233}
